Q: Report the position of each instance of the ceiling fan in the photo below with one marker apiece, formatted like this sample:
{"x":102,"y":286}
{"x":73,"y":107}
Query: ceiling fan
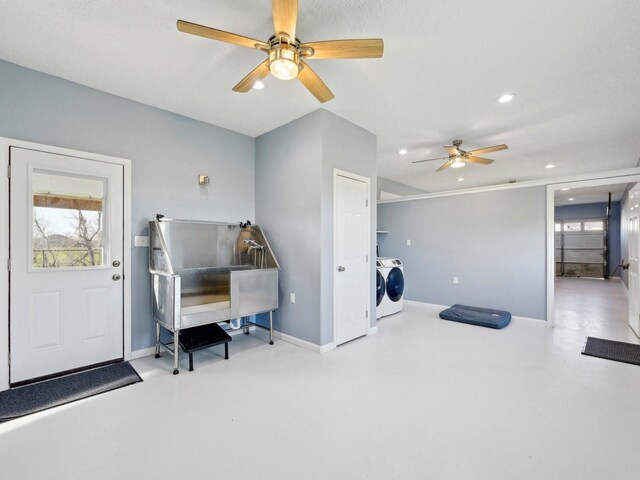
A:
{"x":459,"y":158}
{"x":286,"y":54}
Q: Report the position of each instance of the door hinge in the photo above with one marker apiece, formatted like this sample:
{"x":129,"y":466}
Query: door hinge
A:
{"x":366,"y":313}
{"x":9,"y":265}
{"x":366,"y":258}
{"x":9,"y":171}
{"x":366,"y":202}
{"x":9,"y":357}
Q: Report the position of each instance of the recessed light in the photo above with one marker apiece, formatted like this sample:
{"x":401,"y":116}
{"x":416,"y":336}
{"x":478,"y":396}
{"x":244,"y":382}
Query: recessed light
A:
{"x":402,"y":151}
{"x":550,"y":165}
{"x":565,"y":189}
{"x":461,"y":179}
{"x":258,"y":85}
{"x":570,"y":199}
{"x":506,"y":98}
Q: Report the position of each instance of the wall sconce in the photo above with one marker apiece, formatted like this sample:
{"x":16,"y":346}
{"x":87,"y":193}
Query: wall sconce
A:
{"x":203,"y":180}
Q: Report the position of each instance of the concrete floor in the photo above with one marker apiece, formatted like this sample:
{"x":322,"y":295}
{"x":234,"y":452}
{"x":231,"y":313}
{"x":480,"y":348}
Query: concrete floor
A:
{"x":424,"y":398}
{"x":597,"y":307}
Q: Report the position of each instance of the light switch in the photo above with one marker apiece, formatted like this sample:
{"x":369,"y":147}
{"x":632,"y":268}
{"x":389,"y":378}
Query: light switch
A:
{"x":140,"y":241}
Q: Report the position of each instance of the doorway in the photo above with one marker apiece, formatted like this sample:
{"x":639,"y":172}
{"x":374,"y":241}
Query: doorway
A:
{"x":587,"y":233}
{"x":66,"y":215}
{"x":351,"y":251}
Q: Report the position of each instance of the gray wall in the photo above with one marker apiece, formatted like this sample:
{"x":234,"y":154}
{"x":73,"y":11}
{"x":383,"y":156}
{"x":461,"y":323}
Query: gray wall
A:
{"x":294,"y":204}
{"x":494,"y":242}
{"x":167,"y":153}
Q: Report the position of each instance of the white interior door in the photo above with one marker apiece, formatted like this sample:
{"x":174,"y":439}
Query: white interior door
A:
{"x":66,"y":247}
{"x":634,"y":254}
{"x":351,"y":274}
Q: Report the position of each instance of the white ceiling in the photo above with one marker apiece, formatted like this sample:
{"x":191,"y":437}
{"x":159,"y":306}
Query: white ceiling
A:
{"x":599,"y":194}
{"x":574,"y":66}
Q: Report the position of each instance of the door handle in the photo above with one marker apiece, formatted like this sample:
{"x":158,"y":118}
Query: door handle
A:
{"x":116,"y":263}
{"x":341,"y":268}
{"x":115,"y":277}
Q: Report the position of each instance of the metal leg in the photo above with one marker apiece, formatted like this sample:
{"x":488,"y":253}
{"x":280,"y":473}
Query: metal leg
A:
{"x":157,"y":339}
{"x":176,"y":351}
{"x":226,"y":350}
{"x":190,"y":362}
{"x":246,"y":328}
{"x":271,"y":327}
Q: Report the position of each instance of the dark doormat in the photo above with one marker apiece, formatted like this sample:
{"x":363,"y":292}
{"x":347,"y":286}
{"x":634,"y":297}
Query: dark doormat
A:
{"x":612,"y":350}
{"x":20,"y":401}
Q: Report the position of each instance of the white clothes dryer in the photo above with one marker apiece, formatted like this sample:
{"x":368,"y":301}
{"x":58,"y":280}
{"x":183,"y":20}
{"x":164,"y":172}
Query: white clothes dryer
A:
{"x":381,"y":287}
{"x":393,"y":275}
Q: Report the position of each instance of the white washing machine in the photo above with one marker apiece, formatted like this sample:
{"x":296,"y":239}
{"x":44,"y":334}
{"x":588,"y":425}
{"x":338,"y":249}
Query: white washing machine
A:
{"x":381,"y":286}
{"x":393,"y":274}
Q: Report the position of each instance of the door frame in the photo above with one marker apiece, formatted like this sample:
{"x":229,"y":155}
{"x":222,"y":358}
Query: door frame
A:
{"x":5,"y":144}
{"x":551,"y":267}
{"x":367,"y":181}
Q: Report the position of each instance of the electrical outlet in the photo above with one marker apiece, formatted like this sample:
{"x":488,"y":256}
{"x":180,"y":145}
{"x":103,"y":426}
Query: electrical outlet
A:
{"x":455,"y":280}
{"x":408,"y":242}
{"x":292,"y":298}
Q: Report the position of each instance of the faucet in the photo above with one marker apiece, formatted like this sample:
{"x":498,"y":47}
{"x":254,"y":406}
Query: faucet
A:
{"x":254,"y":246}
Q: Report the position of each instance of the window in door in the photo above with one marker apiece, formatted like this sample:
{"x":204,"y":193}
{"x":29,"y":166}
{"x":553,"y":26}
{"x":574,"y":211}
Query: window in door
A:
{"x":68,"y":221}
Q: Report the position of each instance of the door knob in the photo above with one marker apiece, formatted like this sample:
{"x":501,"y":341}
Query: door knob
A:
{"x":116,"y":263}
{"x":115,"y":277}
{"x":341,"y":268}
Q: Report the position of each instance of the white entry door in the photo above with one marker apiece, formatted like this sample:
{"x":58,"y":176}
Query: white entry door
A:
{"x":66,"y":246}
{"x":633,"y":242}
{"x":352,"y":247}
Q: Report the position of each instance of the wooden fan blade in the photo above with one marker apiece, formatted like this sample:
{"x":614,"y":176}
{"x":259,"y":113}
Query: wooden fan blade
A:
{"x":495,"y":148}
{"x":285,"y":17}
{"x":256,"y":74}
{"x":444,"y":166}
{"x":311,"y":80}
{"x":430,"y":160}
{"x":480,"y":160}
{"x":365,"y":48}
{"x":452,"y":150}
{"x":220,"y":35}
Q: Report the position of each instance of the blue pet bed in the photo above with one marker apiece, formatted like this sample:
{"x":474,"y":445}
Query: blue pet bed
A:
{"x":483,"y":317}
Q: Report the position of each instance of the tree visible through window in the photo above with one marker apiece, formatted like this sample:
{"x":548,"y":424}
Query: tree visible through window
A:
{"x":68,"y":229}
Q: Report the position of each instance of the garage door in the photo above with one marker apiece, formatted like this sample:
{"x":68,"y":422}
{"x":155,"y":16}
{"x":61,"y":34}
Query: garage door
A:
{"x":581,"y":248}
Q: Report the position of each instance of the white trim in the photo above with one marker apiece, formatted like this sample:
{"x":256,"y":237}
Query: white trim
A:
{"x":372,"y":330}
{"x":551,"y":267}
{"x":5,"y":143}
{"x":143,"y":352}
{"x":612,"y":175}
{"x":367,"y":181}
{"x":303,"y":343}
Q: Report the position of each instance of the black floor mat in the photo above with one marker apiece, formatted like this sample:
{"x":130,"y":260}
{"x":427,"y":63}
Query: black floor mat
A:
{"x":612,"y":350}
{"x":20,"y":401}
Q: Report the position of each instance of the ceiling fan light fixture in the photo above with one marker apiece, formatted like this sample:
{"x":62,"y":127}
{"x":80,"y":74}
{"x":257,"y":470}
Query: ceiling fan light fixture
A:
{"x":457,"y":162}
{"x":284,"y":63}
{"x":258,"y":85}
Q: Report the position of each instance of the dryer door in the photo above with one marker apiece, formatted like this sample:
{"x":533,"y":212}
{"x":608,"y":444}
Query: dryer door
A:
{"x":395,"y":284}
{"x":380,"y":288}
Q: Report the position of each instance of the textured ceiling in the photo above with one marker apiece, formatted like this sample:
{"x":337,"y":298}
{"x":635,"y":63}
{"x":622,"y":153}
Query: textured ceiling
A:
{"x":573,"y":65}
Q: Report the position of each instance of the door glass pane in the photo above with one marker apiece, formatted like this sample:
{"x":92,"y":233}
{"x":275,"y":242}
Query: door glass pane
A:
{"x":558,"y":226}
{"x":68,"y":221}
{"x":572,"y":226}
{"x":594,"y":226}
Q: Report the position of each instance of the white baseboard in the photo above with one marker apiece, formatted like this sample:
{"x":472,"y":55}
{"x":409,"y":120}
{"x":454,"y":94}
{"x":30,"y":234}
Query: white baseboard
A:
{"x":372,"y":330}
{"x":303,"y":343}
{"x":145,"y":352}
{"x":434,"y":305}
